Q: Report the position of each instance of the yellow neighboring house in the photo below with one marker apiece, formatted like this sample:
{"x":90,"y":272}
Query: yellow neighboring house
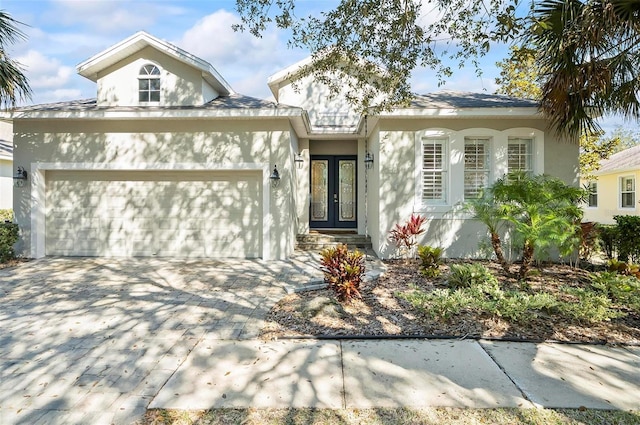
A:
{"x":615,"y":190}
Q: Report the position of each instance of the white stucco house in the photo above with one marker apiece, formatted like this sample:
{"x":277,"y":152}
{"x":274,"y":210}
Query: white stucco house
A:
{"x":615,"y":190}
{"x":168,"y":160}
{"x":6,"y":165}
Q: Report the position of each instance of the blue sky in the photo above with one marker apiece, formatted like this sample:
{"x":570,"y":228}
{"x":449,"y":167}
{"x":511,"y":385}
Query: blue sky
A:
{"x":63,"y":33}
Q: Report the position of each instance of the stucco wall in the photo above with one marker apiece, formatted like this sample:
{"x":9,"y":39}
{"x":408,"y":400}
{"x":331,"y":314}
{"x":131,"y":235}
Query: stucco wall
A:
{"x":148,"y":144}
{"x":180,"y":84}
{"x":6,"y":184}
{"x":609,"y":199}
{"x":447,"y":227}
{"x":324,"y":108}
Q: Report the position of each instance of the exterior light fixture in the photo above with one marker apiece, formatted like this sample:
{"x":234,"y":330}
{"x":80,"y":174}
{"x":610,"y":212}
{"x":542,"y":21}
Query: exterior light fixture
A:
{"x":275,"y":177}
{"x":368,"y":160}
{"x":20,"y":177}
{"x":298,"y":159}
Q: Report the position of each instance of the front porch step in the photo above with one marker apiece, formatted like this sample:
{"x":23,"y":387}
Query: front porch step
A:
{"x":318,"y":241}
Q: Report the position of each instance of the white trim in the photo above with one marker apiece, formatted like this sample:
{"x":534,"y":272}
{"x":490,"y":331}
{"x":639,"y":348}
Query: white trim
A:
{"x":175,"y":114}
{"x":503,"y":113}
{"x":38,"y":195}
{"x":620,"y":179}
{"x":498,"y":143}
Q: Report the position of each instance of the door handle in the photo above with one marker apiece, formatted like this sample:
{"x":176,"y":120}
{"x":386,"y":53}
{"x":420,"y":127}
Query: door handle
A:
{"x":335,"y":198}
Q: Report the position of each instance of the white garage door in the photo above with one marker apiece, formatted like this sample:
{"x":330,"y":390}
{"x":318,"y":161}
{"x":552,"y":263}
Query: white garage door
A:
{"x":154,"y":213}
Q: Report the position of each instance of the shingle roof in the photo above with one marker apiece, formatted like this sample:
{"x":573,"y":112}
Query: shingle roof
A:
{"x":627,"y":159}
{"x":453,"y":100}
{"x":234,"y":101}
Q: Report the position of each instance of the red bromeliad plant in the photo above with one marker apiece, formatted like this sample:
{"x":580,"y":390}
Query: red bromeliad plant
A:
{"x":405,"y":236}
{"x":343,"y":271}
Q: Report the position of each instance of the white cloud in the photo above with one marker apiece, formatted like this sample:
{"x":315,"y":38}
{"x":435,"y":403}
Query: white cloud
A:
{"x":242,"y":59}
{"x":44,"y":72}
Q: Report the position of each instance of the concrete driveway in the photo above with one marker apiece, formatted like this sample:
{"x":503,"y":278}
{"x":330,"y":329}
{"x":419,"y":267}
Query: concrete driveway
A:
{"x":92,"y":340}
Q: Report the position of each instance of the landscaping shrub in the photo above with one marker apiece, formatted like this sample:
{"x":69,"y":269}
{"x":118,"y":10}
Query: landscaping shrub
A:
{"x":622,"y":290}
{"x":404,"y":237}
{"x":624,"y":268}
{"x":6,"y":215}
{"x":591,"y":306}
{"x":469,"y":275}
{"x":8,"y":237}
{"x":608,"y":239}
{"x":588,"y":239}
{"x":430,"y":260}
{"x":343,"y":271}
{"x":628,"y":237}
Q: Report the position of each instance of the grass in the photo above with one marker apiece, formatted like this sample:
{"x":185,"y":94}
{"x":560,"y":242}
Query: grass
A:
{"x":392,"y":416}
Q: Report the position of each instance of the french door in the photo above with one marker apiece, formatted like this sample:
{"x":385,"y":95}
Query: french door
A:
{"x":333,"y":192}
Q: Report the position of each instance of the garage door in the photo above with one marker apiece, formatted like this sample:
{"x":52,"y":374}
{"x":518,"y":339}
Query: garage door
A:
{"x":154,"y":213}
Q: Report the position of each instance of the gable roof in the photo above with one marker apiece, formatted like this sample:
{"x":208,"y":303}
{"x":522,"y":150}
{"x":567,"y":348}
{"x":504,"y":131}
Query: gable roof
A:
{"x":625,"y":160}
{"x":138,"y":41}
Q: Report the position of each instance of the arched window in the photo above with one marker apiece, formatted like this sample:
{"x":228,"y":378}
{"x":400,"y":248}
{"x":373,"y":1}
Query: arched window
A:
{"x":149,"y":84}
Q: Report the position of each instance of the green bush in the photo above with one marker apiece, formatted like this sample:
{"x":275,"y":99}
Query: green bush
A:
{"x":469,"y":275}
{"x":628,"y":237}
{"x":6,"y":215}
{"x":622,"y":290}
{"x":343,"y":271}
{"x":591,"y":307}
{"x":430,"y":260}
{"x":608,"y":238}
{"x":8,"y":237}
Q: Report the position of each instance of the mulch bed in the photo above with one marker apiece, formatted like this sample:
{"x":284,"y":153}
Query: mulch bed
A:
{"x":381,"y":313}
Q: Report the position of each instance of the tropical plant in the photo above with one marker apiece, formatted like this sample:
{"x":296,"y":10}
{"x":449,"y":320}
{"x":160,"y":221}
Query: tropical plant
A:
{"x":489,"y":212}
{"x":544,"y":213}
{"x":405,"y":236}
{"x":430,"y":260}
{"x":13,"y":83}
{"x":469,"y":275}
{"x":343,"y":271}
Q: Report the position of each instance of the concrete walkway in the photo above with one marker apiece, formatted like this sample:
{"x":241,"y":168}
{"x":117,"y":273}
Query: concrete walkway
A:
{"x":97,"y":341}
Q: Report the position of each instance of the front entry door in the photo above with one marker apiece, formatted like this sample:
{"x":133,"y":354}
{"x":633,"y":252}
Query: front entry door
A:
{"x":333,"y":192}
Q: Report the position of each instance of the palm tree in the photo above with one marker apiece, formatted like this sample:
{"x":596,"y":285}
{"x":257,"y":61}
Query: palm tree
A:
{"x":14,"y":86}
{"x":589,"y":53}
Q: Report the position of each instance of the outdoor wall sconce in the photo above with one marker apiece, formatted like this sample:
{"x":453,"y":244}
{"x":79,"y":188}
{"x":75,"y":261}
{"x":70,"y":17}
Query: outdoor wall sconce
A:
{"x":20,"y":177}
{"x":368,"y":160}
{"x":298,"y":159}
{"x":275,"y":177}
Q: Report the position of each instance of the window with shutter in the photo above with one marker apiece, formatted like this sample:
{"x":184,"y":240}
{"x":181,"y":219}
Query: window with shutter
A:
{"x":434,"y":171}
{"x":476,"y":166}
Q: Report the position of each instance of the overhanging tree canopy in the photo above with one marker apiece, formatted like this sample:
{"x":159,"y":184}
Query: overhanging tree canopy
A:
{"x":586,"y":49}
{"x":13,"y":83}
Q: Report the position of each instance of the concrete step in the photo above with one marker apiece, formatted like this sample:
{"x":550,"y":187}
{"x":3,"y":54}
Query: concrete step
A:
{"x":319,"y":241}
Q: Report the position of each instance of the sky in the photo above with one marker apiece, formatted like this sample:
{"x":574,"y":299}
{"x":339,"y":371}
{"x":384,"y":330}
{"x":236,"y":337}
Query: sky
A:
{"x":63,"y":33}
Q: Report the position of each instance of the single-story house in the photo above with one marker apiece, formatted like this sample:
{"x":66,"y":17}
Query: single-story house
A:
{"x":6,"y":165}
{"x":168,"y":160}
{"x":614,"y":192}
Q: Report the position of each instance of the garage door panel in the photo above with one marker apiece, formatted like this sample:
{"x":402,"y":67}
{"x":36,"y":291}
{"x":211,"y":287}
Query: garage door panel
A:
{"x":184,"y":214}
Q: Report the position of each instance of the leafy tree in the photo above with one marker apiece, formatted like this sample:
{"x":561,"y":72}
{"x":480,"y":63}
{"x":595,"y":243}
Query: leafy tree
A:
{"x":13,"y":83}
{"x":587,"y":50}
{"x":519,"y":76}
{"x":628,"y":138}
{"x":593,"y":149}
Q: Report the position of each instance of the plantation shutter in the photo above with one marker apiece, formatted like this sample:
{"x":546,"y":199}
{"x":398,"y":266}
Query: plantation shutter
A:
{"x":434,"y":171}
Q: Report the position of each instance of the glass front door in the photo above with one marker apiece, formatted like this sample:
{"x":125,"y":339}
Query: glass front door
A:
{"x":333,"y":192}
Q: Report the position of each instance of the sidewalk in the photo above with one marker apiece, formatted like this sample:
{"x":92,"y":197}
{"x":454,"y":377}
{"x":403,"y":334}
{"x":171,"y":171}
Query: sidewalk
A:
{"x":412,"y":373}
